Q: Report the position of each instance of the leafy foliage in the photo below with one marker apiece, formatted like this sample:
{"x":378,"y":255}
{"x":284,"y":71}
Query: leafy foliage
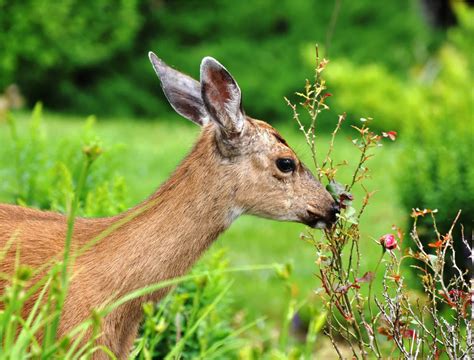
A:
{"x":43,"y":173}
{"x":432,"y":110}
{"x":428,"y":94}
{"x":189,"y":322}
{"x":53,"y":45}
{"x":90,"y":56}
{"x":43,"y":290}
{"x":437,"y":170}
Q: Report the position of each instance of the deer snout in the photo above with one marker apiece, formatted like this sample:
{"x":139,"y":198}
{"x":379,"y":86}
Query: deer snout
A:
{"x":321,"y":209}
{"x":321,"y":219}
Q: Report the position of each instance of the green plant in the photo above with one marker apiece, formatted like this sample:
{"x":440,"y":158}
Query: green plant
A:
{"x":437,"y":170}
{"x":42,"y":172}
{"x":195,"y":320}
{"x":433,"y":92}
{"x":35,"y":333}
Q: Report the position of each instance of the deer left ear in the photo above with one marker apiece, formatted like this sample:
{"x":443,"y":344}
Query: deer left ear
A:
{"x":182,"y":91}
{"x":222,"y":97}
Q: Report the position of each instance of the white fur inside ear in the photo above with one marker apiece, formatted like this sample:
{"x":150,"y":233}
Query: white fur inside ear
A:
{"x":221,"y":95}
{"x":231,"y":105}
{"x":182,"y":91}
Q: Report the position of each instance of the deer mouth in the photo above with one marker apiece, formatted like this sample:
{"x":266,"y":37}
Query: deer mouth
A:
{"x":316,"y":221}
{"x":317,"y":224}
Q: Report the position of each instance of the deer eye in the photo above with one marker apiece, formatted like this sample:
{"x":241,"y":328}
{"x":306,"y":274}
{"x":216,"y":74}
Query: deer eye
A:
{"x":286,"y":165}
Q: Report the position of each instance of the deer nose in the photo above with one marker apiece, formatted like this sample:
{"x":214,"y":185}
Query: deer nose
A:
{"x":335,"y":210}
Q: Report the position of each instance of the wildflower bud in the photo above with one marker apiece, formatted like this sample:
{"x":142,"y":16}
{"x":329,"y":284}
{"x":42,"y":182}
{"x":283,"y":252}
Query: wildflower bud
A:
{"x":388,"y":242}
{"x":92,"y":152}
{"x":161,"y":326}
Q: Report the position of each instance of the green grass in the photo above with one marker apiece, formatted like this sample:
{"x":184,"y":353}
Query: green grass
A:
{"x":147,"y":153}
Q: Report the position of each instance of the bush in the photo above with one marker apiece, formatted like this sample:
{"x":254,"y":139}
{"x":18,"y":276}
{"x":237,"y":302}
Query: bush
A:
{"x":399,"y":102}
{"x":437,"y":171}
{"x":433,"y":111}
{"x":372,"y":89}
{"x":393,"y":321}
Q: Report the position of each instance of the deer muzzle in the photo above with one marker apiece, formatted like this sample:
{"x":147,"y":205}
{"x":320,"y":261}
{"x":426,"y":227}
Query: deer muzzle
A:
{"x":318,"y":219}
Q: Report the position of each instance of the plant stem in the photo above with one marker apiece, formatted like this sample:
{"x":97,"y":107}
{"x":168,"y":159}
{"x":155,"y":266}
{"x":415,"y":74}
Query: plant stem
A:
{"x":369,"y":302}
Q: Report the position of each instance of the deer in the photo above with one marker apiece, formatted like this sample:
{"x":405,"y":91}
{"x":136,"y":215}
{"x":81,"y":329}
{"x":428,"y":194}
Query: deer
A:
{"x":238,"y":165}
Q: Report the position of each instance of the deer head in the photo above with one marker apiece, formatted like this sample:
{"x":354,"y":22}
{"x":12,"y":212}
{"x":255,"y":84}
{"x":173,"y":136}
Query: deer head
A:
{"x":268,"y":179}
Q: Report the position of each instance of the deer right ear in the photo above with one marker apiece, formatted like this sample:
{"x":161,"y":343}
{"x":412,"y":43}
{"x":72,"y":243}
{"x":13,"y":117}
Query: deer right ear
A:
{"x":182,"y":91}
{"x":222,"y":97}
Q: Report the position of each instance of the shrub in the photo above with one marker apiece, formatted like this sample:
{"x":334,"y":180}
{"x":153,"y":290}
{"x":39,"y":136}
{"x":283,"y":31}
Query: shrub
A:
{"x":432,"y":109}
{"x":437,"y":171}
{"x":389,"y":323}
{"x":46,"y":286}
{"x":373,"y":89}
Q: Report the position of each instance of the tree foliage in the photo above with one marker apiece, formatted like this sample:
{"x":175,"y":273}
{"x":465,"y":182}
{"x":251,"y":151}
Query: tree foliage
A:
{"x":90,"y":56}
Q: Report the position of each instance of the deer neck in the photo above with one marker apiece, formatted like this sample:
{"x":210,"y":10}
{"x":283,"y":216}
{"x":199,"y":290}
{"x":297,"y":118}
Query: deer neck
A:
{"x":169,"y":231}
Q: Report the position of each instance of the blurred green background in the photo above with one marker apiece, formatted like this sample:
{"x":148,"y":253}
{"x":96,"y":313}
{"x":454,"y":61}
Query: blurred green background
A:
{"x":407,"y":64}
{"x":91,"y":56}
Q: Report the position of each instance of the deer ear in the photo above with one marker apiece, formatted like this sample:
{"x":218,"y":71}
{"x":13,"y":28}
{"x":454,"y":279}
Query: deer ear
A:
{"x":221,"y":96}
{"x":182,"y":91}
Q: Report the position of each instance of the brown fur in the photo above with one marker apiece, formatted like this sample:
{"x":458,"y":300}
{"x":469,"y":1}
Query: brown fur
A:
{"x":168,"y":232}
